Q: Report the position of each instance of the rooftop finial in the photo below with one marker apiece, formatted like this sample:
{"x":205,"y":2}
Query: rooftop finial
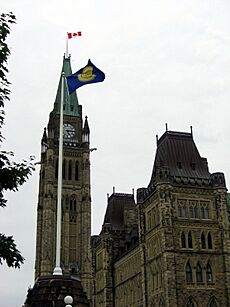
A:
{"x":191,"y":131}
{"x":157,"y":138}
{"x":166,"y":126}
{"x":113,"y":189}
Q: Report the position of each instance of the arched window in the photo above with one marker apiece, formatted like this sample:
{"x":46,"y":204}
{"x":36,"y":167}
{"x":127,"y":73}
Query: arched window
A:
{"x":206,"y":213}
{"x":179,"y":211}
{"x":188,"y":272}
{"x":192,"y":212}
{"x":202,"y":212}
{"x":203,"y":245}
{"x":196,"y":212}
{"x":76,"y":171}
{"x":56,"y":169}
{"x":183,"y":240}
{"x":190,"y":245}
{"x":213,"y":303}
{"x":161,"y":304}
{"x":64,"y":169}
{"x":71,"y":205}
{"x":209,"y":277}
{"x":209,"y":241}
{"x":70,"y":170}
{"x":199,"y":277}
{"x":74,"y":205}
{"x":190,"y":303}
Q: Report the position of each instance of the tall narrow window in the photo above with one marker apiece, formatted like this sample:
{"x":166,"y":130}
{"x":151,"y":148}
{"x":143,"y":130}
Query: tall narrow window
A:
{"x":183,"y":211}
{"x":183,"y":240}
{"x":190,"y":245}
{"x":206,"y":213}
{"x":70,"y":170}
{"x":196,"y":212}
{"x":213,"y":303}
{"x":199,"y":277}
{"x":209,"y":241}
{"x":209,"y":273}
{"x":188,"y":273}
{"x":74,"y":205}
{"x":56,"y":169}
{"x":64,"y":169}
{"x":190,"y":303}
{"x":202,"y":212}
{"x":76,"y":171}
{"x":179,"y":211}
{"x":192,"y":212}
{"x":71,"y":205}
{"x":203,"y":245}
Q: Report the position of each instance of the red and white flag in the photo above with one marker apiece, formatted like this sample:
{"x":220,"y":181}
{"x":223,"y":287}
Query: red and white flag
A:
{"x":71,"y":35}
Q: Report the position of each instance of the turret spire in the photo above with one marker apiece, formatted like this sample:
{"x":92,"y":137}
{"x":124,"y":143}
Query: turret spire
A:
{"x":85,"y":131}
{"x":70,"y":101}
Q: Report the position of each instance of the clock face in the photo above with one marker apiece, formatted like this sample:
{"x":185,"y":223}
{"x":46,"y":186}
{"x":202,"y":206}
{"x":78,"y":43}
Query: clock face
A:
{"x":68,"y":131}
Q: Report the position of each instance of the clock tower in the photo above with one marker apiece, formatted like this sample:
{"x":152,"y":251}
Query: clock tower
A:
{"x":76,"y":198}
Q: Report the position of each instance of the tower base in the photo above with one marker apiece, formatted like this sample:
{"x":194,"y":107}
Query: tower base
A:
{"x":49,"y":291}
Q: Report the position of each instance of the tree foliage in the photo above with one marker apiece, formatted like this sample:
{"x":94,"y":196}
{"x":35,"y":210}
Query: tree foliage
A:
{"x":12,"y":174}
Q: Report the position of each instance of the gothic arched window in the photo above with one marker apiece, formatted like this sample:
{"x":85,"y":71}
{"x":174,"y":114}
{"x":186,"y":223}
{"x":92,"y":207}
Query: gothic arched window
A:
{"x":56,"y":169}
{"x":179,"y":211}
{"x":213,"y":303}
{"x":70,"y":170}
{"x":209,"y":277}
{"x":202,"y":212}
{"x":190,"y":303}
{"x":203,"y":243}
{"x":199,"y":277}
{"x":74,"y":205}
{"x":192,"y":212}
{"x":206,"y":213}
{"x":183,"y":240}
{"x":209,"y":241}
{"x":76,"y":170}
{"x":190,"y":245}
{"x":64,"y":169}
{"x":196,"y":211}
{"x":188,"y":272}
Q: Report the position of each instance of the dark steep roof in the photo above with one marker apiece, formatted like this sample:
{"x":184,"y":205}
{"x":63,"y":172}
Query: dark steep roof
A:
{"x":177,"y":154}
{"x":117,"y":204}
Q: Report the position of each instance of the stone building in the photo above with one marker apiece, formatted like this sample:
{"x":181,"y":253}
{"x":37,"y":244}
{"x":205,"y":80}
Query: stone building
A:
{"x":172,"y":247}
{"x":169,"y":248}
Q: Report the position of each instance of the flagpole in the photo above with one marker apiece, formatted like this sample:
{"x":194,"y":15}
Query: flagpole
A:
{"x":57,"y":269}
{"x":67,"y":51}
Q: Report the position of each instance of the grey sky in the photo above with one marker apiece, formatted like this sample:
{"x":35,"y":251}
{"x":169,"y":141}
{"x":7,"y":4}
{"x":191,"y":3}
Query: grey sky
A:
{"x":165,"y":61}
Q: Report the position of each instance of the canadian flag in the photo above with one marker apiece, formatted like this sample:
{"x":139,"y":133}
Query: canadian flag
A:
{"x":71,"y":35}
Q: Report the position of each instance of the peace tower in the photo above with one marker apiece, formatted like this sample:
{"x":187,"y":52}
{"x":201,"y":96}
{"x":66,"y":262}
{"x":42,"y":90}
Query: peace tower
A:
{"x":76,"y":199}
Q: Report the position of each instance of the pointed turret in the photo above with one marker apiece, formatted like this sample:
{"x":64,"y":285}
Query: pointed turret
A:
{"x":44,"y":144}
{"x":71,"y":106}
{"x":85,"y":131}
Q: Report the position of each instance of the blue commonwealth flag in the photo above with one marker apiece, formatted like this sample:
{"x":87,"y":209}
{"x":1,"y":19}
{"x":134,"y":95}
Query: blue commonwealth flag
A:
{"x":86,"y":75}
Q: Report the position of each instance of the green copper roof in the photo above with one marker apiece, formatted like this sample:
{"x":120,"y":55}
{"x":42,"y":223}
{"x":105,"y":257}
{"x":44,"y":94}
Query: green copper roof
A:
{"x":70,"y":102}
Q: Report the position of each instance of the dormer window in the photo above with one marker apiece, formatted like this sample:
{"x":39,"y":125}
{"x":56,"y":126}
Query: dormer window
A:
{"x":179,"y":165}
{"x":193,"y":165}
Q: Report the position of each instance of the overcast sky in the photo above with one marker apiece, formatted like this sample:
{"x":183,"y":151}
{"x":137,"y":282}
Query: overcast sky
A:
{"x":165,"y":62}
